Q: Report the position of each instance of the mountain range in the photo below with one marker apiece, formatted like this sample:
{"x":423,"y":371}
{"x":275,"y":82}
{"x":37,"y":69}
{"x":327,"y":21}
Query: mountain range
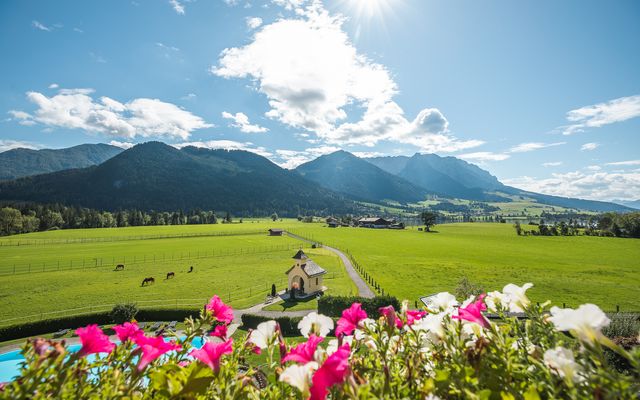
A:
{"x":156,"y":176}
{"x":17,"y":163}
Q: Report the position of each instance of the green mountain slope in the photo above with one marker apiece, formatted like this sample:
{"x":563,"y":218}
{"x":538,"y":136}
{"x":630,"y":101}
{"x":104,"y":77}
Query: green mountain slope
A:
{"x":18,"y":163}
{"x":155,"y":176}
{"x":345,"y":173}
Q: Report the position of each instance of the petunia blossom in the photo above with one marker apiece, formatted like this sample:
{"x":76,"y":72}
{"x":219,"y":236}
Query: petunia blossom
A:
{"x":473,"y":313}
{"x":152,"y":348}
{"x":304,"y":352}
{"x":264,"y":335}
{"x":93,"y":340}
{"x":390,"y":316}
{"x":211,"y":353}
{"x":128,"y":330}
{"x":586,"y":322}
{"x":220,"y":331}
{"x":350,"y":320}
{"x":315,"y":323}
{"x":299,"y":376}
{"x":332,"y":372}
{"x":443,"y":301}
{"x":219,"y":310}
{"x":516,"y":296}
{"x":430,"y":330}
{"x":414,"y":315}
{"x":561,"y":361}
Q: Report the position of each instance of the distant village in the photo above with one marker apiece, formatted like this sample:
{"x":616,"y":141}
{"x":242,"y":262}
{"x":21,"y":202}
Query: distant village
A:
{"x":365,"y":222}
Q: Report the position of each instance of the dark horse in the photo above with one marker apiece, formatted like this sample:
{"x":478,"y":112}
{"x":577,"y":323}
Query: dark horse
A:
{"x":147,"y":281}
{"x":171,"y":275}
{"x":190,"y":269}
{"x":119,"y":267}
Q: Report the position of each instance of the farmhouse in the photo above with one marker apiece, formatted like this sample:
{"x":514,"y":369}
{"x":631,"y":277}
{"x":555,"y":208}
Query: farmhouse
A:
{"x":275,"y":232}
{"x":374,"y":222}
{"x":305,"y":277}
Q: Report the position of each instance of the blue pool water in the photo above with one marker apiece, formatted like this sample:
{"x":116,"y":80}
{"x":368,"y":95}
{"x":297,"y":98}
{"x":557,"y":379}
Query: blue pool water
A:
{"x":10,"y":362}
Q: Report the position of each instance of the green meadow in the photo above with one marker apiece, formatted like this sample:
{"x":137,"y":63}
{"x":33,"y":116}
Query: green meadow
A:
{"x":239,"y":262}
{"x":571,"y":270}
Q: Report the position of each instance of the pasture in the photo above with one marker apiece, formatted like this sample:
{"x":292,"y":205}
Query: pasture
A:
{"x":572,"y":270}
{"x":240,"y":268}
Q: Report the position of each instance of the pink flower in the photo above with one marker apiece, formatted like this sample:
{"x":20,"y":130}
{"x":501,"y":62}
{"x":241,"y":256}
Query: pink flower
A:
{"x":152,"y":348}
{"x":389,"y":314}
{"x":220,"y":311}
{"x":220,"y":331}
{"x":350,"y":319}
{"x":210,"y":353}
{"x":303,"y":352}
{"x":473,"y":312}
{"x":128,"y":330}
{"x":334,"y":371}
{"x":414,"y":315}
{"x":93,"y":340}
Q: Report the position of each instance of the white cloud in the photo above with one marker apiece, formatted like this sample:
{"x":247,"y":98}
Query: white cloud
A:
{"x":40,"y":26}
{"x":589,"y":146}
{"x":290,"y":159}
{"x":311,"y":73}
{"x":97,"y":58}
{"x":124,"y":145}
{"x":16,"y":144}
{"x":177,"y":6}
{"x":22,"y":117}
{"x":601,"y":114}
{"x":594,"y":168}
{"x":78,"y":30}
{"x":531,"y":146}
{"x":368,"y":154}
{"x":189,"y":96}
{"x":54,"y":86}
{"x":241,"y":121}
{"x":227,"y":145}
{"x":625,"y":163}
{"x":552,"y":164}
{"x":591,"y":185}
{"x":484,"y":156}
{"x":253,"y":22}
{"x":167,"y":47}
{"x":76,"y":109}
{"x":289,"y":4}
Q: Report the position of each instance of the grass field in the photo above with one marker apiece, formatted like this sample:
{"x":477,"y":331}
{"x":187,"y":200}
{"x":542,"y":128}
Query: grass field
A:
{"x":238,"y":273}
{"x":241,"y":267}
{"x":571,"y":270}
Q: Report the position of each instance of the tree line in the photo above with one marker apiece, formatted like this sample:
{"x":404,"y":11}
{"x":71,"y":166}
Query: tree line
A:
{"x":608,"y":224}
{"x":25,"y":218}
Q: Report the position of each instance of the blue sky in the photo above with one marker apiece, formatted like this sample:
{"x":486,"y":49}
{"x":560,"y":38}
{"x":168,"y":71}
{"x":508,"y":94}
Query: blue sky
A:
{"x":545,"y":95}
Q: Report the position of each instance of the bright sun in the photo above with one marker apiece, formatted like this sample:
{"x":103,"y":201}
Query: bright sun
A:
{"x":370,"y":12}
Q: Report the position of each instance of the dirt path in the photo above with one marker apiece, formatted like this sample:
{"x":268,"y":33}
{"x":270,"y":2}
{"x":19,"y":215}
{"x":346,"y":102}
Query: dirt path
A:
{"x":363,"y":289}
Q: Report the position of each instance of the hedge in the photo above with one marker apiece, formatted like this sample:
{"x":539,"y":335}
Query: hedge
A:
{"x":35,"y":328}
{"x":288,"y":325}
{"x":333,"y":306}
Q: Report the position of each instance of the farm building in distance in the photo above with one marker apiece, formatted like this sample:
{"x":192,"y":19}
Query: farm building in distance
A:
{"x":276,"y":232}
{"x":305,"y":277}
{"x":379,"y":223}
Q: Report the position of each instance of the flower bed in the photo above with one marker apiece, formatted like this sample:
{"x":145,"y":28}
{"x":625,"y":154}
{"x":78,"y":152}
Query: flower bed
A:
{"x":448,"y":351}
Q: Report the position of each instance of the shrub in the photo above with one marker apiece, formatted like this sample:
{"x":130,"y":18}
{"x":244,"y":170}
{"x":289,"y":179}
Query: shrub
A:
{"x":288,"y":326}
{"x":122,"y":313}
{"x":52,"y":325}
{"x":466,"y":289}
{"x":333,"y":305}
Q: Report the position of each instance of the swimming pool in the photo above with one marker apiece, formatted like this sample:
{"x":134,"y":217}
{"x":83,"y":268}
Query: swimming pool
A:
{"x":10,"y":362}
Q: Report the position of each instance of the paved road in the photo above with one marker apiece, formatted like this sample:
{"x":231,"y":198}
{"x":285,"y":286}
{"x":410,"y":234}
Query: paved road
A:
{"x":363,"y":289}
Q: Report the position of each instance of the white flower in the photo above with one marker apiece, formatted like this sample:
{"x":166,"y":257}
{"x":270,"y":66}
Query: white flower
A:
{"x":518,"y":300}
{"x":316,"y":323}
{"x":495,"y":299}
{"x":264,"y":335}
{"x":299,"y":376}
{"x":432,"y":396}
{"x":333,"y":344}
{"x":443,"y":301}
{"x":586,"y":322}
{"x":430,"y":330}
{"x":561,"y":361}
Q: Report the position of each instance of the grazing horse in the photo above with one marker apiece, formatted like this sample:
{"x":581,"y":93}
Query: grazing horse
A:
{"x":171,"y":275}
{"x":147,"y":281}
{"x":119,"y":267}
{"x":190,"y":269}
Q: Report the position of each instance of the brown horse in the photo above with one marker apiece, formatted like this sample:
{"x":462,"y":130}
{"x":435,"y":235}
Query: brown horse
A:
{"x":147,"y":281}
{"x":171,"y":275}
{"x":119,"y":267}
